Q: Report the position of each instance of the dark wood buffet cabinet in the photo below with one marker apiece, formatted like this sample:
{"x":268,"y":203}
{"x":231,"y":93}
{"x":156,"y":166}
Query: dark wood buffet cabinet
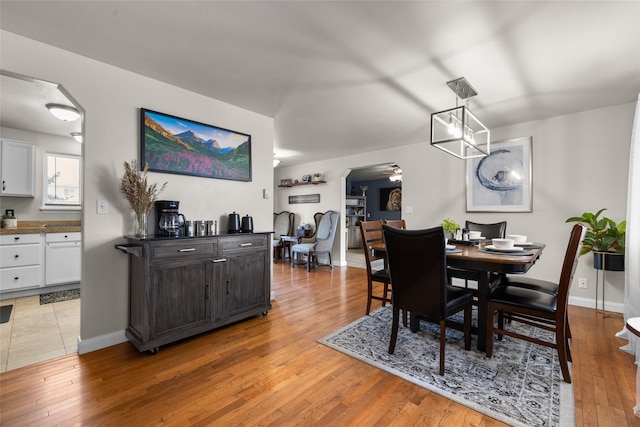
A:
{"x":183,"y":286}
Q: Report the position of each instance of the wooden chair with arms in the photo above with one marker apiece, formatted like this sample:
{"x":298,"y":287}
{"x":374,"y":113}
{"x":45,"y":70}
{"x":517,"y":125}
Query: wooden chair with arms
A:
{"x":418,"y":271}
{"x":537,"y":308}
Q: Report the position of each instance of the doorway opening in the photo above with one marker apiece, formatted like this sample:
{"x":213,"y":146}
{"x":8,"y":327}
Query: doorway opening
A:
{"x":371,"y":193}
{"x":44,"y":319}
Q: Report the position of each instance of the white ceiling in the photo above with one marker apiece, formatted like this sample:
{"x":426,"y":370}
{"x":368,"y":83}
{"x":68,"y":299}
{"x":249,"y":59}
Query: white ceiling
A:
{"x":23,"y":105}
{"x":340,"y":78}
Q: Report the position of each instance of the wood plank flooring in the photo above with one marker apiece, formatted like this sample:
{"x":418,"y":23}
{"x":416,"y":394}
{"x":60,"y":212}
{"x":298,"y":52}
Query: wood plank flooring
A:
{"x":271,"y":371}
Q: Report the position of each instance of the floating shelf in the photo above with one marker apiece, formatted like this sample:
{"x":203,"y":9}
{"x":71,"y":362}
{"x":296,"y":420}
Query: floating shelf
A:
{"x":302,"y":183}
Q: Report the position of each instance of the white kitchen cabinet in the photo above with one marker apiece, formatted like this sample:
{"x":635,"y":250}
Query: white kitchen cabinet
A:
{"x":20,"y":261}
{"x":62,"y":258}
{"x":18,"y":165}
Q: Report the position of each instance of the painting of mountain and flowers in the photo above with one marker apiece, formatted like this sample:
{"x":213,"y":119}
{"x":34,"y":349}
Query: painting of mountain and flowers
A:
{"x":174,"y":145}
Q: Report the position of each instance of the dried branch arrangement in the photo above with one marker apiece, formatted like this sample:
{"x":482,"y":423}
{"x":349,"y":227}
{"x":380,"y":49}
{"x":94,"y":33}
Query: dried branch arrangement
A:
{"x":136,"y":190}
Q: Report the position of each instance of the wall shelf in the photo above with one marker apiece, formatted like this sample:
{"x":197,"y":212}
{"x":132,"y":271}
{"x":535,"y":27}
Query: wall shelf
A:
{"x":302,"y":183}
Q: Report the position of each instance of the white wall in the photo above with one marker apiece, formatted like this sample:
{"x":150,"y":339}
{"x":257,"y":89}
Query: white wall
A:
{"x":111,"y":98}
{"x":580,"y":163}
{"x":27,"y":208}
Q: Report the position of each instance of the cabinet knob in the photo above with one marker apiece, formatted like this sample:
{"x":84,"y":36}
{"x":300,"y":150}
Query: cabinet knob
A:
{"x":16,"y":256}
{"x":16,"y":278}
{"x":16,"y":238}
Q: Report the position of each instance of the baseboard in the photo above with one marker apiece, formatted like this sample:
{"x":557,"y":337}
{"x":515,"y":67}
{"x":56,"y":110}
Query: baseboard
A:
{"x":614,"y":307}
{"x":101,"y":341}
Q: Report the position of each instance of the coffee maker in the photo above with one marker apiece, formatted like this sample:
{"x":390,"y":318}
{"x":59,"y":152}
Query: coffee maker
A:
{"x":170,"y":221}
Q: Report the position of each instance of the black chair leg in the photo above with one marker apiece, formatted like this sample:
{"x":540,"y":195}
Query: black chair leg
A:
{"x":443,"y":324}
{"x":394,"y":330}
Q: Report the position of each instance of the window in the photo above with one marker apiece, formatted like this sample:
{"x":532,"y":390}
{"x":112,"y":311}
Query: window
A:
{"x":62,"y":180}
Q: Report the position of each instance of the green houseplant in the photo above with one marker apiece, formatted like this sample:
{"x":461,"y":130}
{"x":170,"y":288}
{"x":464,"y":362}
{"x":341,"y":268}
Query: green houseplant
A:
{"x":604,"y":238}
{"x":450,"y":226}
{"x":9,"y":221}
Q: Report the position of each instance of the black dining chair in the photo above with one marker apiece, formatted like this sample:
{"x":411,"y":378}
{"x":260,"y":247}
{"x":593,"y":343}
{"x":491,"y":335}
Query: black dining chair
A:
{"x":537,"y":308}
{"x":497,"y":230}
{"x":418,"y":272}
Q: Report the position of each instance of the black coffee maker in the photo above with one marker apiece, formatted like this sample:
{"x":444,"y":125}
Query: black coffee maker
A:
{"x":170,"y":221}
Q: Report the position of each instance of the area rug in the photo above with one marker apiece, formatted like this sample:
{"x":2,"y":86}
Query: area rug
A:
{"x":58,"y":296}
{"x":5,"y":313}
{"x":521,"y":385}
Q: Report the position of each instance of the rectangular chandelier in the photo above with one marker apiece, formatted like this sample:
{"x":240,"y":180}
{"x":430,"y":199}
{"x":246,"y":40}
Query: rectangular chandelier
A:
{"x":457,"y":130}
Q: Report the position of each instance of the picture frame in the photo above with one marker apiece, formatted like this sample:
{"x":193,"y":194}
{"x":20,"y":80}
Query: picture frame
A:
{"x":391,"y":199}
{"x":306,"y":178}
{"x":501,"y":181}
{"x":304,"y":198}
{"x":176,"y":145}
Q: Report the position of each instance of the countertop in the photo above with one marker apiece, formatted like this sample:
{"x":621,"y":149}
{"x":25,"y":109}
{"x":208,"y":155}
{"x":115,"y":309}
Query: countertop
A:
{"x":37,"y":227}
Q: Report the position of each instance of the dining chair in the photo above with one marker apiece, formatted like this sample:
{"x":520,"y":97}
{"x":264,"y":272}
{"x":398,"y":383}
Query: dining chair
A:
{"x":282,"y":226}
{"x":371,"y":232}
{"x":537,"y":308}
{"x":418,"y":272}
{"x":496,"y":230}
{"x":320,"y":243}
{"x":398,"y":223}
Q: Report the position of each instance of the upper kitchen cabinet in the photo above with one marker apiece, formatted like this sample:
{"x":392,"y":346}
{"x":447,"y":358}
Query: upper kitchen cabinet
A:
{"x":18,"y":161}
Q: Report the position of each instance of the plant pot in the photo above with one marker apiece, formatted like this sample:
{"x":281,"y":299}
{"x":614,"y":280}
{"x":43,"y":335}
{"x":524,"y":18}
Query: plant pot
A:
{"x":609,"y":261}
{"x":10,"y":223}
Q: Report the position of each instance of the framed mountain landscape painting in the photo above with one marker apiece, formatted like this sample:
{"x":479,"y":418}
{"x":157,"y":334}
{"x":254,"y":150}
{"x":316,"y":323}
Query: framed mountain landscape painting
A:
{"x":172,"y":144}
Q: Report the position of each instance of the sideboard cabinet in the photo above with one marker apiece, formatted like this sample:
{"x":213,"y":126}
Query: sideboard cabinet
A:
{"x":180,"y":287}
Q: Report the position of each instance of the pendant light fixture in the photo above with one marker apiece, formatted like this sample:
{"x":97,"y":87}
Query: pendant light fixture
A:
{"x":457,"y":130}
{"x":63,"y":112}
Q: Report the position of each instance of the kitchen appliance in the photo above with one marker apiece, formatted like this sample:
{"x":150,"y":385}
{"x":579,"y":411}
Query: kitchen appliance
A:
{"x":247,"y":224}
{"x":170,"y":221}
{"x":233,"y":223}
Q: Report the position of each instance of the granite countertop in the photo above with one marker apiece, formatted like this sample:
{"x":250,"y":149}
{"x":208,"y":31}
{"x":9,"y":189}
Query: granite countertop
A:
{"x":37,"y":227}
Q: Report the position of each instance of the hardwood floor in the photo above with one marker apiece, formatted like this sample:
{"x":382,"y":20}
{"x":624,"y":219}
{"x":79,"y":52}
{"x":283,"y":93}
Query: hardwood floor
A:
{"x":271,"y":371}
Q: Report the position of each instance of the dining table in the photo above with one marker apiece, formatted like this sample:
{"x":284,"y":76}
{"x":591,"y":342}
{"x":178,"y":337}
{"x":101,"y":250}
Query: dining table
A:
{"x":474,"y":261}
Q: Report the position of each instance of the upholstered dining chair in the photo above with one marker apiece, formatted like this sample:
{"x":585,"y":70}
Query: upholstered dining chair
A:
{"x":537,"y":308}
{"x":397,"y":223}
{"x":282,"y":226}
{"x":497,"y":230}
{"x":320,"y":243}
{"x":418,"y":272}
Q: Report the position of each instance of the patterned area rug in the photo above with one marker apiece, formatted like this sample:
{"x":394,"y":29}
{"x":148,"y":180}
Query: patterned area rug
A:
{"x":521,"y":385}
{"x":58,"y":296}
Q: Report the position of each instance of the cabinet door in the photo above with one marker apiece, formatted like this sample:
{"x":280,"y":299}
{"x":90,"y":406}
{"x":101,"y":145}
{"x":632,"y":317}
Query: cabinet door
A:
{"x":179,"y":297}
{"x":246,"y":289}
{"x":18,"y":162}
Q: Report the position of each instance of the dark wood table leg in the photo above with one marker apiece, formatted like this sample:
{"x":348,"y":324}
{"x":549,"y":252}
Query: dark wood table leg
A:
{"x":483,"y":291}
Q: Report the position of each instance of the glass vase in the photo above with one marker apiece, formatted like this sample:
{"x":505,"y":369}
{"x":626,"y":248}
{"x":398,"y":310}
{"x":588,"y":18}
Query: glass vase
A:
{"x":141,"y":224}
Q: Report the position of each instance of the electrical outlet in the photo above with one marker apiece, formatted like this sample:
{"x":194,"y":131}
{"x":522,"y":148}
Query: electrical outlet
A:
{"x":582,"y":283}
{"x":102,"y":207}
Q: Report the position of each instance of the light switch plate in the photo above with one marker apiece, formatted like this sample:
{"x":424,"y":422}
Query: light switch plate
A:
{"x":265,"y":193}
{"x":102,"y":207}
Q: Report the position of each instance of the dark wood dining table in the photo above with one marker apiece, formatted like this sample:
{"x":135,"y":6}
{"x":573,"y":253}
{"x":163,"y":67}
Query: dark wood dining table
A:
{"x":478,"y":264}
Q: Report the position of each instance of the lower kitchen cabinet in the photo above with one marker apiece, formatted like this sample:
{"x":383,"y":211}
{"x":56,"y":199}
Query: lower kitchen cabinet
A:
{"x":179,"y":287}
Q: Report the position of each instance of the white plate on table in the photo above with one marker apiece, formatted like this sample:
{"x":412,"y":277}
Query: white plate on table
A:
{"x":526,"y":244}
{"x":507,"y":250}
{"x":450,"y":247}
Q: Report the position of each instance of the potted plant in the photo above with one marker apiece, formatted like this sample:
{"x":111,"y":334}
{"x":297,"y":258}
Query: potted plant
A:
{"x":604,"y":238}
{"x":9,"y":220}
{"x":450,"y":227}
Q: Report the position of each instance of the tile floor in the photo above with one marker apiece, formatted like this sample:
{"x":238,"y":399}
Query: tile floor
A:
{"x":38,"y":332}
